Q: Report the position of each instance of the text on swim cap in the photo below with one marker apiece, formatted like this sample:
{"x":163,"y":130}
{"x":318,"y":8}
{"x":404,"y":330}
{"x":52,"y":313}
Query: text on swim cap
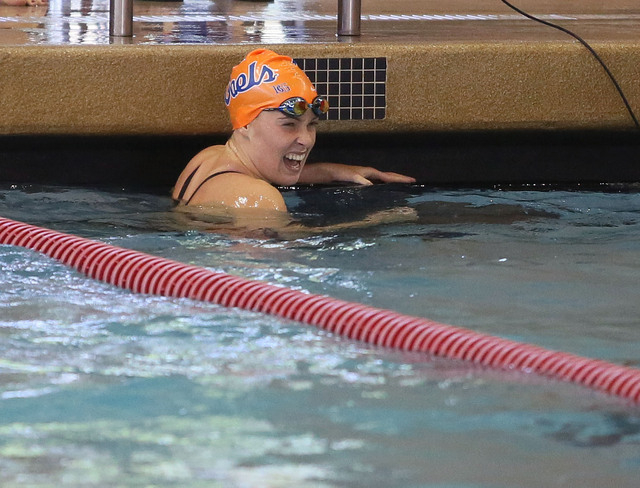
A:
{"x":282,"y":88}
{"x":246,"y":81}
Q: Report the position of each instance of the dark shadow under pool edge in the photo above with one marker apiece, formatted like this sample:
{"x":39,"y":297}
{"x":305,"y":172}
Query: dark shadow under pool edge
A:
{"x":448,"y":159}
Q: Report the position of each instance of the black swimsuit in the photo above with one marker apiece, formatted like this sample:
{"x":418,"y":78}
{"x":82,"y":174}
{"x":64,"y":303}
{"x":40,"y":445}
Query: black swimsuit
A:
{"x":190,"y":177}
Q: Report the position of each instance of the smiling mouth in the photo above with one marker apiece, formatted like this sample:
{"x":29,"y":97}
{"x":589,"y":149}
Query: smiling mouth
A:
{"x":294,"y":161}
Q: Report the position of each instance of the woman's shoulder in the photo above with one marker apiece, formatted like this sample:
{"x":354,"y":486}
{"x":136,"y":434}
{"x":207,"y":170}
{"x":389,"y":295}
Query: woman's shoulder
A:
{"x":238,"y":190}
{"x":207,"y":154}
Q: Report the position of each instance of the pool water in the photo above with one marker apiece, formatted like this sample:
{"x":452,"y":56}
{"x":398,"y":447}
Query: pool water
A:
{"x":103,"y":387}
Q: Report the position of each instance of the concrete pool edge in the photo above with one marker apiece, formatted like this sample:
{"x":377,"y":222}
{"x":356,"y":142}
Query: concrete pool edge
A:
{"x":454,"y":86}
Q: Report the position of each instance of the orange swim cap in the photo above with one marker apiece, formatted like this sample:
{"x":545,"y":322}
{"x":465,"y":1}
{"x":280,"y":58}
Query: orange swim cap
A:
{"x":262,"y":80}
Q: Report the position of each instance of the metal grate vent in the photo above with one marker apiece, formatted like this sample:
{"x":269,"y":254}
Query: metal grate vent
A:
{"x":356,"y":87}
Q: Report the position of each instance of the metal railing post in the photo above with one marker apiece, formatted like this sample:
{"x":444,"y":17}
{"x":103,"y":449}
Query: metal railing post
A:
{"x":121,"y":18}
{"x":349,"y":12}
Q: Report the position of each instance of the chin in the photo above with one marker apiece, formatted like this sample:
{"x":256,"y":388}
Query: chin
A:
{"x":289,"y":177}
{"x":288,"y":181}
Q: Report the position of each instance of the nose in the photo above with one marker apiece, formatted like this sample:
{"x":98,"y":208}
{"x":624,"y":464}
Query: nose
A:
{"x":307,"y":136}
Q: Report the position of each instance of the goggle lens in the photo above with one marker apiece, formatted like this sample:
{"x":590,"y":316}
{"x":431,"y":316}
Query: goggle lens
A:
{"x":299,"y":107}
{"x":320,"y":106}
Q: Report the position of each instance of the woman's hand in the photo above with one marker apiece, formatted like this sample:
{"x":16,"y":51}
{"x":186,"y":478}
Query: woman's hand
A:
{"x":361,"y":175}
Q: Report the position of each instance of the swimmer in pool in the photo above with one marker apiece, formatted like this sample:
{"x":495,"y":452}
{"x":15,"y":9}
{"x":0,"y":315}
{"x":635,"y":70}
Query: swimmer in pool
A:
{"x":274,"y":110}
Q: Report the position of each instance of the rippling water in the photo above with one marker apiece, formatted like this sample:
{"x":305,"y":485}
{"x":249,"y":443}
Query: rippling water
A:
{"x":102,"y":387}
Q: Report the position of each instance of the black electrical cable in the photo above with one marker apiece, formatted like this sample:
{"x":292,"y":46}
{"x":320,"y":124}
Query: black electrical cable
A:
{"x":589,"y":48}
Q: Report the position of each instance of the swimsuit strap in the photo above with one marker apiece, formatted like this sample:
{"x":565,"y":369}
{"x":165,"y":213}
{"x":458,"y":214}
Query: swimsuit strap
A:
{"x":186,"y":184}
{"x":204,"y":181}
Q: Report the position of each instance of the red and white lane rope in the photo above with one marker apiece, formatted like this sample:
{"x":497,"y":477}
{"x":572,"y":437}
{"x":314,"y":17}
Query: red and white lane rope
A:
{"x":147,"y":274}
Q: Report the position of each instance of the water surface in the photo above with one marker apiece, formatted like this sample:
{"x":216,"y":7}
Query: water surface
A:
{"x":103,"y":387}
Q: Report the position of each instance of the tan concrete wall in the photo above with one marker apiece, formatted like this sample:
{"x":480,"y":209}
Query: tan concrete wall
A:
{"x":138,"y":89}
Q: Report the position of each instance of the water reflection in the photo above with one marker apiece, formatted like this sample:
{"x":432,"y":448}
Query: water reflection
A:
{"x":19,"y":24}
{"x":227,"y":20}
{"x":74,"y":22}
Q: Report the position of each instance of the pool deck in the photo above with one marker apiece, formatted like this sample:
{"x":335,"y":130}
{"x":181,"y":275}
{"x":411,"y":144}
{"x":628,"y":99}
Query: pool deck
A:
{"x":434,"y":67}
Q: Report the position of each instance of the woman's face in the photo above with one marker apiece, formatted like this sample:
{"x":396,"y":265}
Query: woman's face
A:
{"x":280,"y":144}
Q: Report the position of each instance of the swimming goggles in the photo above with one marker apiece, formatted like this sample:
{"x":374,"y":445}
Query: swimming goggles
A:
{"x":297,"y":106}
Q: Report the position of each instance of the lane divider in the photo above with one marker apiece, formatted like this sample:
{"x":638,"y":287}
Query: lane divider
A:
{"x":143,"y":273}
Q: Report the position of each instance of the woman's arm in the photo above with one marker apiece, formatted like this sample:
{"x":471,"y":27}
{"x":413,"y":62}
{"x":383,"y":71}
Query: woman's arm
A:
{"x":361,"y":175}
{"x":263,"y":223}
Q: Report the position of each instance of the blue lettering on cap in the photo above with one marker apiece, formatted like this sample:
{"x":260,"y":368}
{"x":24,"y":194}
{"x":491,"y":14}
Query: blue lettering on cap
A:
{"x":282,"y":88}
{"x":246,"y":81}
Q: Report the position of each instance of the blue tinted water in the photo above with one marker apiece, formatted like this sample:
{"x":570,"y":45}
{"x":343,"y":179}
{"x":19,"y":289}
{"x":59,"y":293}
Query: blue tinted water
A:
{"x":102,"y":387}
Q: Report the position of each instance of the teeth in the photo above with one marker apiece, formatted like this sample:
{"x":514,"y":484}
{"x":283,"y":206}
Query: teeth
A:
{"x":295,"y":157}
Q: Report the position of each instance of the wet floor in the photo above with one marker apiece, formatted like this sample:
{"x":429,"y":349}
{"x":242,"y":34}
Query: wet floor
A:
{"x":74,"y":22}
